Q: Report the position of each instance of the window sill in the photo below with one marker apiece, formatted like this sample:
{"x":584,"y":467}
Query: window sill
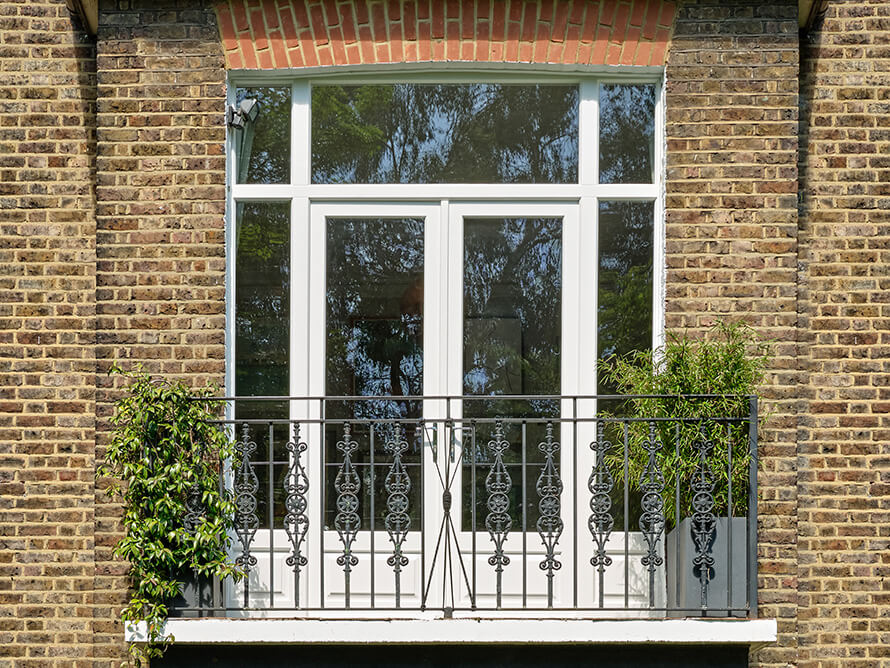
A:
{"x":755,"y":633}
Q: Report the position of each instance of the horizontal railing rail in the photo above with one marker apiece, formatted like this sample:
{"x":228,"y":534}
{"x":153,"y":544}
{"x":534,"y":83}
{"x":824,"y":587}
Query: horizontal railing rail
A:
{"x":588,"y":506}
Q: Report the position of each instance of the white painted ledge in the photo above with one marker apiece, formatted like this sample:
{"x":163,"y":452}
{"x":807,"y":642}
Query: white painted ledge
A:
{"x":756,"y":632}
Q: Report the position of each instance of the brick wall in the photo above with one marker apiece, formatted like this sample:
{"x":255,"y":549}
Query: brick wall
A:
{"x":844,"y":478}
{"x":160,"y":293}
{"x":47,"y":322}
{"x":141,"y":280}
{"x":731,"y":228}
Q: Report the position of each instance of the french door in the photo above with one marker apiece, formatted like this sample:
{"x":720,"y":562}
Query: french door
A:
{"x":439,"y":301}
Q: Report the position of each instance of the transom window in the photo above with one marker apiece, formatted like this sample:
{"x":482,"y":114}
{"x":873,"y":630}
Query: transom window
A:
{"x":461,"y":248}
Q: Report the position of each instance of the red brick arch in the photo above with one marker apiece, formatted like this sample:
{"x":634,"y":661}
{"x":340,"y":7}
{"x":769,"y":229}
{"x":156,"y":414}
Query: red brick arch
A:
{"x":268,"y":34}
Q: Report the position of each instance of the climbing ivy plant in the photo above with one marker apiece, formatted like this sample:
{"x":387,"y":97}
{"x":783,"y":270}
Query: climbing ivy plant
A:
{"x":165,"y":462}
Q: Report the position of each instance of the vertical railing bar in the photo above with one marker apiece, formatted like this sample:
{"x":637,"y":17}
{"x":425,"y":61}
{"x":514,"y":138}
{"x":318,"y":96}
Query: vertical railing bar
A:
{"x":752,"y":508}
{"x":677,"y":513}
{"x":217,"y":582}
{"x":420,"y":429}
{"x":323,"y":483}
{"x":626,"y":492}
{"x":447,"y":560}
{"x":729,"y":514}
{"x":449,"y":439}
{"x":446,"y":461}
{"x":271,"y":452}
{"x":246,"y":428}
{"x":575,"y":532}
{"x":372,"y":492}
{"x":473,"y":507}
{"x":524,"y":519}
{"x":292,"y":485}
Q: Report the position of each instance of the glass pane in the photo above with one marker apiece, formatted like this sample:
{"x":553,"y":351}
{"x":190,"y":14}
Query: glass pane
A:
{"x":445,"y":133}
{"x":262,"y":304}
{"x":263,"y":145}
{"x":512,"y":332}
{"x":624,"y":312}
{"x":374,"y":347}
{"x":627,"y":133}
{"x":262,"y":333}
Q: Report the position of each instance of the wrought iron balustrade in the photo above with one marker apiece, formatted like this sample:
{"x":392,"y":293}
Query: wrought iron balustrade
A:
{"x":478,"y":506}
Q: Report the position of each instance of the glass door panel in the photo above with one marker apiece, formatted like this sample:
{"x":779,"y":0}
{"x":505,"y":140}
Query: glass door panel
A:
{"x":514,"y":335}
{"x":374,"y":348}
{"x":512,"y":295}
{"x":373,"y":278}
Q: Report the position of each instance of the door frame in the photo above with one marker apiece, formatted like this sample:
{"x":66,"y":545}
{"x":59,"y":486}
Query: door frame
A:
{"x":326,"y":541}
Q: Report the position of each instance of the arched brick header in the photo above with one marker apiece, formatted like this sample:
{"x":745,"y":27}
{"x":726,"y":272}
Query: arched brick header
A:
{"x":268,"y":34}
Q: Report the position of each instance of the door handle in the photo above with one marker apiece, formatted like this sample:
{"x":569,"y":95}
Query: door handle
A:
{"x":453,"y":442}
{"x":434,"y":441}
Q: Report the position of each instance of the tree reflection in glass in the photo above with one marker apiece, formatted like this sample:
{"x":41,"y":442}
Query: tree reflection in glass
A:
{"x":262,"y":333}
{"x":374,"y":346}
{"x":512,"y":333}
{"x":445,"y":133}
{"x":624,"y":312}
{"x":627,"y":133}
{"x":263,"y":145}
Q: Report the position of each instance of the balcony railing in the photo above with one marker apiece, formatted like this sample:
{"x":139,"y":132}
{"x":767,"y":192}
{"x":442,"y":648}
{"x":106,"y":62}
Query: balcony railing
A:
{"x":488,"y":506}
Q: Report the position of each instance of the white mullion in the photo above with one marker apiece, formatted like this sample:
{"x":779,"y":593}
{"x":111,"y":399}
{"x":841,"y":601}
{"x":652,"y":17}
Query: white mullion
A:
{"x":300,"y":133}
{"x":231,"y":257}
{"x":571,"y":370}
{"x":315,"y":290}
{"x":447,"y":276}
{"x":659,"y":241}
{"x":314,"y":311}
{"x":588,"y":132}
{"x":300,"y":259}
{"x":588,"y":294}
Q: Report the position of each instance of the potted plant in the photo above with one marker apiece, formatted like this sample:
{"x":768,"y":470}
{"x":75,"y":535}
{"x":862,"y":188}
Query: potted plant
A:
{"x":699,"y":392}
{"x":165,"y":461}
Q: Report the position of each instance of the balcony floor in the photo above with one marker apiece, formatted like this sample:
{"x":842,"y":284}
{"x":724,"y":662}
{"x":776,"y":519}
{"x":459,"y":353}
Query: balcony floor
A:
{"x":753,"y":632}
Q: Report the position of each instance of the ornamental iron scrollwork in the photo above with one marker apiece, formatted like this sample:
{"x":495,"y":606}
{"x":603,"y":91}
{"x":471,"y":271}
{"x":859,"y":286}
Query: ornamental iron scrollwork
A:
{"x":397,"y":521}
{"x":296,"y":502}
{"x":498,"y":521}
{"x":246,"y":486}
{"x":347,"y":521}
{"x":600,"y":523}
{"x":704,"y":522}
{"x":194,"y":509}
{"x":652,"y":519}
{"x":549,"y":524}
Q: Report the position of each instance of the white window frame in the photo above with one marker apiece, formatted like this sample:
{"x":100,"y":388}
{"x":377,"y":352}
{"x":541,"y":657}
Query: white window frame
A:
{"x":583,"y":197}
{"x":301,"y":192}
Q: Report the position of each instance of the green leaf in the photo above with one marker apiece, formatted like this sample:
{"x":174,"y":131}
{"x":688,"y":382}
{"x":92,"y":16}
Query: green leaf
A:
{"x":163,"y":443}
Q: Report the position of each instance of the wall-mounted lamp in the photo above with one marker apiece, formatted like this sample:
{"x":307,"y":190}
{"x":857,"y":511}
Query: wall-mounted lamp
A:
{"x":246,"y":112}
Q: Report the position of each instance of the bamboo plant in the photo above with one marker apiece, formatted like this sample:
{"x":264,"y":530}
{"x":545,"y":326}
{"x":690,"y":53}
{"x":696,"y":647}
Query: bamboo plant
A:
{"x":728,"y":367}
